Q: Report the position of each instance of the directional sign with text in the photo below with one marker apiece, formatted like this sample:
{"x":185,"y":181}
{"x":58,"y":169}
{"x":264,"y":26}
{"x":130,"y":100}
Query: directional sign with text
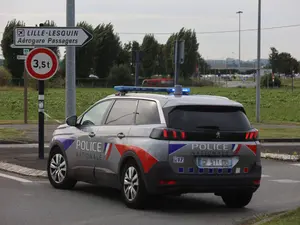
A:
{"x":51,"y":36}
{"x":41,"y":63}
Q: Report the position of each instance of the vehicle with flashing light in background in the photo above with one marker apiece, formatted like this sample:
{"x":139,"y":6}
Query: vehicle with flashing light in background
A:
{"x":145,"y":143}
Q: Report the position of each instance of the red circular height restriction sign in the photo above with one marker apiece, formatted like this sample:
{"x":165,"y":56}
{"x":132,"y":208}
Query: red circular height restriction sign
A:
{"x":41,"y":63}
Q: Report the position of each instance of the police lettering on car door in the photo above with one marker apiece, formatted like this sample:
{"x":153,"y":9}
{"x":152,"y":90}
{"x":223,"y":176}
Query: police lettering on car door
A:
{"x":89,"y":149}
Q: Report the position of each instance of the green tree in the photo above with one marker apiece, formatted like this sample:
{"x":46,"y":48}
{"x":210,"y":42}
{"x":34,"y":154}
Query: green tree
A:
{"x":273,"y":60}
{"x":124,"y":56}
{"x":160,"y":60}
{"x":107,"y":48}
{"x":190,"y":51}
{"x":135,"y":46}
{"x":202,"y":64}
{"x":287,"y":64}
{"x":15,"y":66}
{"x":120,"y":75}
{"x":169,"y":54}
{"x":84,"y":55}
{"x":5,"y":76}
{"x":150,"y":48}
{"x":282,"y":62}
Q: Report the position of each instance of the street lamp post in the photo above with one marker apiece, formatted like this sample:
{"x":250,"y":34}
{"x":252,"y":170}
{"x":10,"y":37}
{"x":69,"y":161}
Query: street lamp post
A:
{"x":258,"y":63}
{"x":70,"y":104}
{"x":239,"y":12}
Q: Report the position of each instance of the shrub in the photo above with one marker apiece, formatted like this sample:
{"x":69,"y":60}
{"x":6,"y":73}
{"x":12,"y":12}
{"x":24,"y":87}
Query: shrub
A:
{"x":195,"y":82}
{"x":5,"y":76}
{"x":120,"y":75}
{"x":266,"y":81}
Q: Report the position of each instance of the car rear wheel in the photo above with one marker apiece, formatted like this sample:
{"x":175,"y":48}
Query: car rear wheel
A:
{"x":57,"y":169}
{"x":133,"y":188}
{"x":237,"y":200}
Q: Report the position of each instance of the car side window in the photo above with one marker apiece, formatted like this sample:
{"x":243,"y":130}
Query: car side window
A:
{"x":122,"y":112}
{"x":147,"y":113}
{"x":95,"y":115}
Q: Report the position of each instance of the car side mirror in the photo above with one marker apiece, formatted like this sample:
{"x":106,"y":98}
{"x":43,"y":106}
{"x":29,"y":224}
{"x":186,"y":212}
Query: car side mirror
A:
{"x":72,"y":121}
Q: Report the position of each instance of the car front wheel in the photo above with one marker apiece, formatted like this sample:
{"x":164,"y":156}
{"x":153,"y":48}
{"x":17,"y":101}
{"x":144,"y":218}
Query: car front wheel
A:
{"x":237,"y":200}
{"x":133,"y":188}
{"x":57,"y":169}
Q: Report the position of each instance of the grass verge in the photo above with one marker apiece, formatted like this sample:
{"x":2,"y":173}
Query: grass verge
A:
{"x":290,"y":218}
{"x":10,"y":134}
{"x":277,"y":105}
{"x":280,"y":133}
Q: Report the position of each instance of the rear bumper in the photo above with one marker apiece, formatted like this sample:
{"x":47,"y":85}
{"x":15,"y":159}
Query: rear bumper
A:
{"x":198,"y":183}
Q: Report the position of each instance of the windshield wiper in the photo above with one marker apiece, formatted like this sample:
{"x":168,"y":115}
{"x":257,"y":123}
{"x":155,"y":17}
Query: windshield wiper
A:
{"x":209,"y":127}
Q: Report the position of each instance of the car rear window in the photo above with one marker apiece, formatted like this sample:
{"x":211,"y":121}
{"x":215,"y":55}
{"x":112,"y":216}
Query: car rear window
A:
{"x":223,"y":118}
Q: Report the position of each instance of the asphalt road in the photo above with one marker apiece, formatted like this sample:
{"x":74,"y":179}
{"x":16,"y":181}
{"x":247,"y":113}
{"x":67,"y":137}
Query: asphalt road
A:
{"x":36,"y":202}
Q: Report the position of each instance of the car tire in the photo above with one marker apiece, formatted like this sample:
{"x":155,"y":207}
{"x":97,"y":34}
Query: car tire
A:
{"x":237,"y":200}
{"x":133,"y":188}
{"x":57,"y":169}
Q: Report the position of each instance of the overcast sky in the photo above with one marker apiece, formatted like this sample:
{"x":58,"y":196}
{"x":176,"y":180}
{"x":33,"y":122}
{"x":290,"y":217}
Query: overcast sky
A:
{"x":164,"y":16}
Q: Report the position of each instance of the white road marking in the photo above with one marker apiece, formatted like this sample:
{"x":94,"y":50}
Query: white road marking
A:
{"x":263,"y":175}
{"x":286,"y":181}
{"x":296,"y":164}
{"x":15,"y":178}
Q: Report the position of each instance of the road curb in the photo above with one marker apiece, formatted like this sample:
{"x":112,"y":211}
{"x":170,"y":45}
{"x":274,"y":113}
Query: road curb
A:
{"x":282,"y":157}
{"x":6,"y":142}
{"x":9,"y":167}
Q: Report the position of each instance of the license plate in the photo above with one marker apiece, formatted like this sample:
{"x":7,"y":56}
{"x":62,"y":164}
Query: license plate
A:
{"x":214,"y":162}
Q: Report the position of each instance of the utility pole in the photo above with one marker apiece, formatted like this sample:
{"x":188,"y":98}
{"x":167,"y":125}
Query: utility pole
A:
{"x":178,"y":58}
{"x":137,"y":67}
{"x":258,"y":63}
{"x":239,"y":12}
{"x":70,"y":104}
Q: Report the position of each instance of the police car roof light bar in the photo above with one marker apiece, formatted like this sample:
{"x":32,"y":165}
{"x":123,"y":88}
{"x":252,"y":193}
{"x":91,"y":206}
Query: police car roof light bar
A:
{"x":178,"y":90}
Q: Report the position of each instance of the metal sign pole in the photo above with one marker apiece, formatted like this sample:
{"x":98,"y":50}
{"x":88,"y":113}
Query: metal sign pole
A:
{"x":41,"y":106}
{"x":25,"y":95}
{"x":176,"y":63}
{"x":137,"y":67}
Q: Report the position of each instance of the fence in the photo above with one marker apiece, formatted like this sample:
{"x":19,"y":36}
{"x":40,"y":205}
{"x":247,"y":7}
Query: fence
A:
{"x":207,"y":80}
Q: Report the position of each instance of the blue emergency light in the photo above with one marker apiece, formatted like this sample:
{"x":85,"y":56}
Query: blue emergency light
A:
{"x":169,"y":90}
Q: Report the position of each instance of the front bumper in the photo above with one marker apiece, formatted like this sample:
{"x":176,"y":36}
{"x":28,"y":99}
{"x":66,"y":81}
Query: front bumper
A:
{"x":157,"y":179}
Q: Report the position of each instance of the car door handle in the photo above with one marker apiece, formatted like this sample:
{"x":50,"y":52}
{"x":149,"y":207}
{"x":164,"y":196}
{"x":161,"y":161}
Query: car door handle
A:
{"x":92,"y":134}
{"x":120,"y":135}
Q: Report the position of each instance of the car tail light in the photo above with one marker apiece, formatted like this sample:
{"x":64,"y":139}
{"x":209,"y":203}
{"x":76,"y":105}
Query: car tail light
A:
{"x":167,"y":134}
{"x":167,"y":182}
{"x":256,"y":182}
{"x":252,"y":135}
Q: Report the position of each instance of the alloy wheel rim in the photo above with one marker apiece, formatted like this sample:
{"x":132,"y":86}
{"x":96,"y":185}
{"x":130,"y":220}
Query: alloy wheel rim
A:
{"x":131,"y":183}
{"x":58,"y":168}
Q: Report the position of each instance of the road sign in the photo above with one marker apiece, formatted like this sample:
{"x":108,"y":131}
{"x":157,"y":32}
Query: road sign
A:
{"x":26,"y":51}
{"x":51,"y":36}
{"x":41,"y":63}
{"x":21,"y":57}
{"x":13,"y":46}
